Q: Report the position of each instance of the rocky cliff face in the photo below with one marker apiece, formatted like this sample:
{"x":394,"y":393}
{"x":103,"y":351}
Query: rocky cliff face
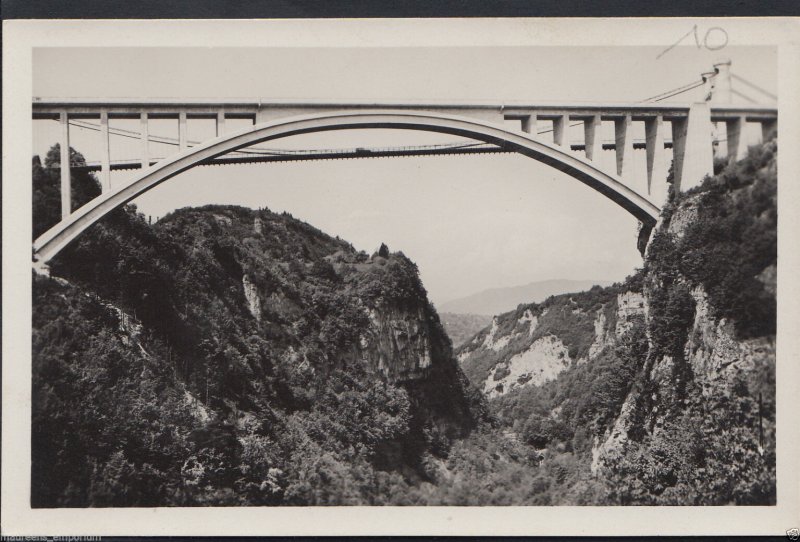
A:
{"x":397,"y":344}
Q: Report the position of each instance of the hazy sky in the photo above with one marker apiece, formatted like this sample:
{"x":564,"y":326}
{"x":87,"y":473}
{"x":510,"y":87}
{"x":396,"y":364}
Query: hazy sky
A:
{"x":470,"y":222}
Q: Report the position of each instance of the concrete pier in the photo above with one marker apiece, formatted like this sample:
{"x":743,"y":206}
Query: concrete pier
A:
{"x":656,"y":159}
{"x":560,"y":129}
{"x":220,"y":123}
{"x":694,"y":147}
{"x":182,"y":130}
{"x":145,"y":138}
{"x":767,"y":128}
{"x":66,"y":184}
{"x":591,"y":134}
{"x":623,"y":138}
{"x":737,"y":147}
{"x":105,"y":156}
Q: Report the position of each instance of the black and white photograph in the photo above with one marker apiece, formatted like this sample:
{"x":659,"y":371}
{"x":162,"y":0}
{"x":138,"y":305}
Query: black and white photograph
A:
{"x":536,"y":274}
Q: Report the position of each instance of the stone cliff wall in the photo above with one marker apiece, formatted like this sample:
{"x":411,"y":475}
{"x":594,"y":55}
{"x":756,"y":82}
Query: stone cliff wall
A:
{"x":397,"y":344}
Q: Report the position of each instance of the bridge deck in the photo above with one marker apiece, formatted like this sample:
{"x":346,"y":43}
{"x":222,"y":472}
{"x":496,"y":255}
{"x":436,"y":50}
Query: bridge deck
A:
{"x":336,"y":154}
{"x":251,"y":107}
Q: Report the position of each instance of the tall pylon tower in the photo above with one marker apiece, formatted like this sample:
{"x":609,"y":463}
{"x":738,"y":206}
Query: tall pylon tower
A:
{"x":723,"y":89}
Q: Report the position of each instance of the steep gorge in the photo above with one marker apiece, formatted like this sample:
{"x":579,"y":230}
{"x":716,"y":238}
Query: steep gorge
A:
{"x":659,"y":390}
{"x":227,"y":356}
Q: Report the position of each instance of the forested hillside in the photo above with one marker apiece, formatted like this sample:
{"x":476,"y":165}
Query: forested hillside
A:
{"x":229,"y":356}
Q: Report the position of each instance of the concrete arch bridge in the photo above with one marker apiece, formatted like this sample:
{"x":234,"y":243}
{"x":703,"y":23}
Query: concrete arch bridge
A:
{"x":689,"y":136}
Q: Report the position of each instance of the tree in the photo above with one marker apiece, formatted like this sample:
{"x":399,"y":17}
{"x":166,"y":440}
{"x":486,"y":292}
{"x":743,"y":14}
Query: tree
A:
{"x":383,"y":251}
{"x":47,"y":190}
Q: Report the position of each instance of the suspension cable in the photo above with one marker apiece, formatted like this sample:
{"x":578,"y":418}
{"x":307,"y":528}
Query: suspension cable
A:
{"x":657,"y":98}
{"x":701,"y":83}
{"x":673,"y":92}
{"x":753,"y":85}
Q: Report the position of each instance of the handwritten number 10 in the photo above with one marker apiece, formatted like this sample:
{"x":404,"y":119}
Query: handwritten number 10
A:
{"x":709,"y":41}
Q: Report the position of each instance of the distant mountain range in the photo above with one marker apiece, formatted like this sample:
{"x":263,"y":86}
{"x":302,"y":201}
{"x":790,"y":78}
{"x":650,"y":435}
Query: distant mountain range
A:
{"x":499,"y":300}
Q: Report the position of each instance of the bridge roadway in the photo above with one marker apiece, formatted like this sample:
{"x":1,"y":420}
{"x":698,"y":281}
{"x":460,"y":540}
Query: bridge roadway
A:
{"x":260,"y":110}
{"x":286,"y":155}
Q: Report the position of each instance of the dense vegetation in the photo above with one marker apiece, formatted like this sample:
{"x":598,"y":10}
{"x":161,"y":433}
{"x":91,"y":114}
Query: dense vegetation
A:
{"x":730,"y":246}
{"x":226,"y":356}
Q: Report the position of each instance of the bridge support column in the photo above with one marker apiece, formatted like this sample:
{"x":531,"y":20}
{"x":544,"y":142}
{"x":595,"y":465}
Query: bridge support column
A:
{"x":145,"y":136}
{"x":220,"y":123}
{"x":182,"y":131}
{"x":560,"y":130}
{"x":530,"y":124}
{"x":265,"y":115}
{"x":656,"y":162}
{"x":678,"y":148}
{"x":692,"y":148}
{"x":66,"y":187}
{"x":105,"y":156}
{"x":767,"y":128}
{"x":737,"y":149}
{"x":593,"y":142}
{"x":624,"y":148}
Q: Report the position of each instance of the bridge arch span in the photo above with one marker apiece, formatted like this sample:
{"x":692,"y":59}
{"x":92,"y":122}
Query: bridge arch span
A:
{"x":55,"y":239}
